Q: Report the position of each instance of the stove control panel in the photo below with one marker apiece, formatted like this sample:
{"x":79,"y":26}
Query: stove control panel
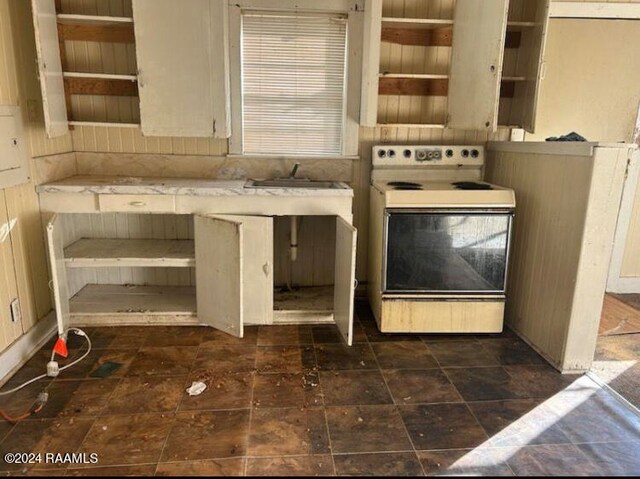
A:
{"x":428,"y":155}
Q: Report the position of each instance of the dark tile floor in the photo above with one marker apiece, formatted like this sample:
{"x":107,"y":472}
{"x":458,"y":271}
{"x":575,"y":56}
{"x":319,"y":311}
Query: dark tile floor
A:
{"x":292,"y":400}
{"x":617,"y":361}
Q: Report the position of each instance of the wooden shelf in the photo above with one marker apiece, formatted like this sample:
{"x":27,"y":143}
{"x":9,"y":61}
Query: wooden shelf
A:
{"x":418,"y":76}
{"x":92,"y":28}
{"x":436,"y":32}
{"x":433,"y":126}
{"x":133,"y":304}
{"x":429,"y":85}
{"x":104,"y":124}
{"x":100,"y":84}
{"x":401,"y":85}
{"x":73,"y":19}
{"x":437,"y":126}
{"x":416,"y":23}
{"x":519,"y":26}
{"x":103,"y":76}
{"x":103,"y":253}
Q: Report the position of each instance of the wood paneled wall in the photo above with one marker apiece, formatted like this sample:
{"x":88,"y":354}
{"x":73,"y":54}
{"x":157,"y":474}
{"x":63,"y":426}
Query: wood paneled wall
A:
{"x":566,"y":210}
{"x":23,"y":265}
{"x":631,"y":259}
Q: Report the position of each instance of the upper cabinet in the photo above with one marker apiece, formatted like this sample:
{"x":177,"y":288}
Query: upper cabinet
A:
{"x":183,"y":64}
{"x":158,"y":65}
{"x":470,"y":64}
{"x":476,"y":64}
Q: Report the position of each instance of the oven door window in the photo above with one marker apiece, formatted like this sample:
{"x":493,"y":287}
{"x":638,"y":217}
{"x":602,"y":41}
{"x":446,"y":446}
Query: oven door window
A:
{"x":448,"y":252}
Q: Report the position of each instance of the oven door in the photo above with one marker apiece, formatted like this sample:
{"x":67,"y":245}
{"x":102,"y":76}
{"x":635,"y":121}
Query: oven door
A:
{"x":446,"y":251}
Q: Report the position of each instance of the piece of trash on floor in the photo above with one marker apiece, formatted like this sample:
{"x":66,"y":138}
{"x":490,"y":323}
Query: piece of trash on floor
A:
{"x":196,"y":388}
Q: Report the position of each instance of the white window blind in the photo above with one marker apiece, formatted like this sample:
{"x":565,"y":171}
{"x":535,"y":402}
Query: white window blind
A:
{"x":293,"y":84}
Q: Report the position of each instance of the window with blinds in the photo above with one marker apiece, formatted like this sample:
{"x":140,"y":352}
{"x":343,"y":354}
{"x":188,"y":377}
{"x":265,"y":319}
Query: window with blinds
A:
{"x":293,"y":84}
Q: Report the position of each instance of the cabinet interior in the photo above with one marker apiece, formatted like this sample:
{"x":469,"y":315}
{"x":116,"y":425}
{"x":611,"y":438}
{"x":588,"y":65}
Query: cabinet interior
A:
{"x":415,"y":62}
{"x":143,"y":265}
{"x":97,"y":50}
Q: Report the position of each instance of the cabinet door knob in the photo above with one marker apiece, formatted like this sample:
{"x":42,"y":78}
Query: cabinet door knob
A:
{"x":137,"y":203}
{"x":266,"y":268}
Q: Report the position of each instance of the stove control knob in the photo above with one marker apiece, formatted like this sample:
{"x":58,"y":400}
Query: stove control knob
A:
{"x":407,"y":153}
{"x":391,"y":153}
{"x":421,"y":155}
{"x":475,"y":153}
{"x":465,"y":153}
{"x":449,"y":153}
{"x":382,"y":153}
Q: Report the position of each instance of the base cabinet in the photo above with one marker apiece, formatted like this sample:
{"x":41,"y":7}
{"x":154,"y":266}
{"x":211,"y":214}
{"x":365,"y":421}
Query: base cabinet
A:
{"x":233,"y":257}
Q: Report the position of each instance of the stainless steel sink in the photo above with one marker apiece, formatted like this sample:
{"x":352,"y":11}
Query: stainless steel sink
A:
{"x":292,"y":183}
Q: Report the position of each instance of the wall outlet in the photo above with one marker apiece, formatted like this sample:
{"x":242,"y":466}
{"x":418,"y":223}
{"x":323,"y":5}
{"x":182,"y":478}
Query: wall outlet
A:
{"x":16,"y":314}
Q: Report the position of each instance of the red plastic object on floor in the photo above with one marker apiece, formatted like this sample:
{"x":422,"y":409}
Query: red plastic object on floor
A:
{"x":60,"y":348}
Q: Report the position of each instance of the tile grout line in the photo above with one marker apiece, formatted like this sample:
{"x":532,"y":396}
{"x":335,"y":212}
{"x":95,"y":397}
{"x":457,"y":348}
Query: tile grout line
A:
{"x":324,"y":405}
{"x":95,"y":419}
{"x":175,"y":412}
{"x":254,"y":375}
{"x":396,"y":406}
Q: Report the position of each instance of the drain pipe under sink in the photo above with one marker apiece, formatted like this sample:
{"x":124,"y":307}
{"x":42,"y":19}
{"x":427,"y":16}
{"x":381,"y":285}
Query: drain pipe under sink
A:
{"x":294,"y":238}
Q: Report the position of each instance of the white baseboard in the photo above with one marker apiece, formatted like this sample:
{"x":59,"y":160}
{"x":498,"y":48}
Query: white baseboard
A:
{"x":14,"y":357}
{"x":624,"y":286}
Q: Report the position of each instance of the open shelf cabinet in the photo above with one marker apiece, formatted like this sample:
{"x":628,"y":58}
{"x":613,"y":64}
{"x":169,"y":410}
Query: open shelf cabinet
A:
{"x":123,"y":64}
{"x":473,"y":65}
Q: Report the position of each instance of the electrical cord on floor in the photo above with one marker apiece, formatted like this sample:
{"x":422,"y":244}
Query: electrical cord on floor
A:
{"x":52,"y":371}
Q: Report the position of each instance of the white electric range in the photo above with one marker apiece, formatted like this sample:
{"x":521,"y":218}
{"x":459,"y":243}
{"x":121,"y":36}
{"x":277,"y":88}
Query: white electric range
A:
{"x":439,"y":241}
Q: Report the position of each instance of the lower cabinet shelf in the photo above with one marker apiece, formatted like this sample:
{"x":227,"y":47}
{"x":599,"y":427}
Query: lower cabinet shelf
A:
{"x":96,"y":304}
{"x":101,"y":252}
{"x":115,"y":304}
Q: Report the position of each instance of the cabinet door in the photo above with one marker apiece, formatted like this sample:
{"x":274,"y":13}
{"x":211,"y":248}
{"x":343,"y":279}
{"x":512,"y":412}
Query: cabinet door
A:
{"x":182,"y":67}
{"x":234,"y":282}
{"x":50,"y":67}
{"x":58,"y":272}
{"x":257,"y":268}
{"x":530,"y":66}
{"x":477,"y":52}
{"x":371,"y":62}
{"x":344,"y":284}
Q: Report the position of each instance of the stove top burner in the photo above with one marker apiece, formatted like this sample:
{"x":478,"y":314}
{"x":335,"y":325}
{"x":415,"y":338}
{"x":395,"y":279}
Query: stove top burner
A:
{"x":404,"y":184}
{"x":407,"y":188}
{"x":471,"y":185}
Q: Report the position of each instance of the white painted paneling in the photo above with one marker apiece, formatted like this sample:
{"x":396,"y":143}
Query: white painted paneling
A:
{"x":219,"y":285}
{"x":176,"y":67}
{"x":371,"y":62}
{"x":58,"y":273}
{"x":257,"y":268}
{"x":344,"y":287}
{"x":479,"y":30}
{"x":50,"y":67}
{"x":566,"y":208}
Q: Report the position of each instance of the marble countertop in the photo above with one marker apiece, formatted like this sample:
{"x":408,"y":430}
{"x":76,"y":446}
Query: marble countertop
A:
{"x":123,"y":185}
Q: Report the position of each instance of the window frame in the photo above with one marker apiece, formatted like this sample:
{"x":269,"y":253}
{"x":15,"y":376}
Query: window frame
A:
{"x":354,"y":12}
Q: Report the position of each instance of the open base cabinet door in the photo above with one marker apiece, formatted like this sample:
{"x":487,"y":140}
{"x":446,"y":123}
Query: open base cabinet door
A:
{"x":55,"y":243}
{"x":234,"y":278}
{"x":345,"y":271}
